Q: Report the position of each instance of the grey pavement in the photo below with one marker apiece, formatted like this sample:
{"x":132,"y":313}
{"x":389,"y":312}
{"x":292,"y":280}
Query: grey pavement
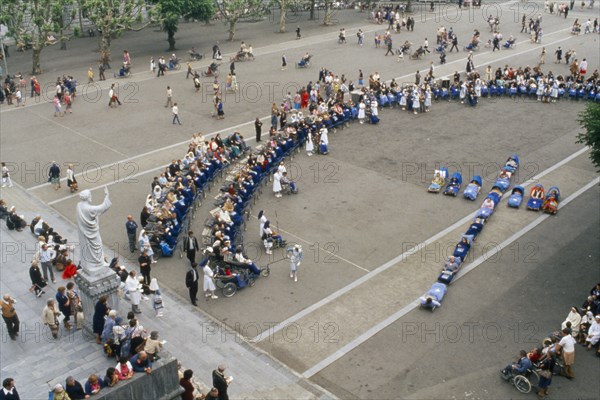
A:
{"x":358,"y":208}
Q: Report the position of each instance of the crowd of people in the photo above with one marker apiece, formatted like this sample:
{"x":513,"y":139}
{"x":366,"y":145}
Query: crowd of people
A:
{"x":302,"y":119}
{"x":556,"y":354}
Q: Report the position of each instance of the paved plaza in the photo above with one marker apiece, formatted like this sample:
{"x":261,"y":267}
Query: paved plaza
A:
{"x":374,"y":240}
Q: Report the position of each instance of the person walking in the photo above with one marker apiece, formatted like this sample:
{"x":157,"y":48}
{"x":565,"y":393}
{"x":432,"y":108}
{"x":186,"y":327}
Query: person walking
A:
{"x":232,"y":67}
{"x":454,"y":43}
{"x":558,"y":54}
{"x":169,"y":97}
{"x":101,"y":69}
{"x":190,"y":246}
{"x":71,"y":180}
{"x":37,"y":282}
{"x":8,"y":391}
{"x":57,"y":106}
{"x":6,"y":181}
{"x":90,"y":75}
{"x":215,"y":50}
{"x":298,"y":35}
{"x":426,"y":45}
{"x":191,"y":282}
{"x":543,"y":56}
{"x":221,"y":382}
{"x":46,"y":255}
{"x":295,"y":255}
{"x":389,"y":47}
{"x":209,"y":283}
{"x":258,"y":127}
{"x":50,"y":317}
{"x":283,"y":62}
{"x":112,"y":95}
{"x":131,"y":228}
{"x":496,"y":43}
{"x":10,"y":317}
{"x":145,"y":266}
{"x":175,"y":110}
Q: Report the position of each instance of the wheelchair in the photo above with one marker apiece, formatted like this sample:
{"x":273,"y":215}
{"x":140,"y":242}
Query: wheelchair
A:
{"x":471,"y":47}
{"x":525,"y":382}
{"x":241,"y":278}
{"x":417,"y":54}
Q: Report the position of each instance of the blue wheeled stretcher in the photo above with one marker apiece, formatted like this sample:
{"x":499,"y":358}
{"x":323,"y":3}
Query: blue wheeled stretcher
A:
{"x":454,"y":185}
{"x":516,"y":197}
{"x":473,"y":188}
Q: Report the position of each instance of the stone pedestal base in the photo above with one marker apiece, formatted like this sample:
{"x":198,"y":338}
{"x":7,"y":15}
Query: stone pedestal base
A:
{"x":90,"y":288}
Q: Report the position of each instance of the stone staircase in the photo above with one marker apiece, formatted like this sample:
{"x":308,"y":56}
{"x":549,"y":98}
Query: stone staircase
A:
{"x":292,"y":392}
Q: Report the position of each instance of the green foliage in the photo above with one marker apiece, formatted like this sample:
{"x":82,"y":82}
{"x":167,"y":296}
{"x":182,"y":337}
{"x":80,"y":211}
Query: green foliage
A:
{"x":31,"y":21}
{"x":113,"y":17}
{"x":589,"y":119}
{"x":201,"y":10}
{"x":233,"y":10}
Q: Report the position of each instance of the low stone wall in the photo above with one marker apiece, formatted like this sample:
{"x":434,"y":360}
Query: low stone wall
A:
{"x":161,"y":384}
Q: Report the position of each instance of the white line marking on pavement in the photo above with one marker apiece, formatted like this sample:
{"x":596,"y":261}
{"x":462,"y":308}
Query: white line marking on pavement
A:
{"x":320,"y":248}
{"x":405,"y":310}
{"x":148,"y":153}
{"x":397,"y":259}
{"x":78,"y":133}
{"x":326,"y":251}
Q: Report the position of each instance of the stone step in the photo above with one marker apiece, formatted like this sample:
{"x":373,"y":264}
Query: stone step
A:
{"x":291,"y":392}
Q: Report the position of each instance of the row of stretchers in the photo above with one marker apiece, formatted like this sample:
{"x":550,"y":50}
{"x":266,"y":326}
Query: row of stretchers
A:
{"x":539,"y":200}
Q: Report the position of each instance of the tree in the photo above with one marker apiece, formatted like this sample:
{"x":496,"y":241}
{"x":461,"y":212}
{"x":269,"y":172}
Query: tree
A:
{"x":113,"y":17}
{"x":33,"y":23}
{"x":589,"y":119}
{"x":283,"y":7}
{"x":169,"y":13}
{"x":233,"y":10}
{"x":327,"y":17}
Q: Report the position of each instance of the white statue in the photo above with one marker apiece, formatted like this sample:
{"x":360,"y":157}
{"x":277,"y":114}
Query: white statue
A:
{"x":90,"y":242}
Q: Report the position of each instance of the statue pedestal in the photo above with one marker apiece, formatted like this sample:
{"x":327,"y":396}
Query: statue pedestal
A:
{"x":90,"y":288}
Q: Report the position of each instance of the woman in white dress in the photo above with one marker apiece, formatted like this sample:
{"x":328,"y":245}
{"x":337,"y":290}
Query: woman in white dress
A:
{"x":403,"y":99}
{"x":415,"y":102}
{"x":133,"y":290}
{"x":463,"y":92}
{"x":309,"y":145}
{"x":427,"y":99}
{"x":540,"y":89}
{"x":209,"y":283}
{"x":374,"y":110}
{"x":277,"y":183}
{"x":324,"y":144}
{"x":361,"y":112}
{"x":554,"y":91}
{"x":144,"y":243}
{"x":262,"y":218}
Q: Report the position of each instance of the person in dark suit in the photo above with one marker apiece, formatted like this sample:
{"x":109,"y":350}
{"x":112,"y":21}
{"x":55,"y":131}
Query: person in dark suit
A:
{"x":37,"y":281}
{"x":8,"y":391}
{"x":258,"y":127}
{"x":221,"y":382}
{"x":191,"y":282}
{"x":190,"y":246}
